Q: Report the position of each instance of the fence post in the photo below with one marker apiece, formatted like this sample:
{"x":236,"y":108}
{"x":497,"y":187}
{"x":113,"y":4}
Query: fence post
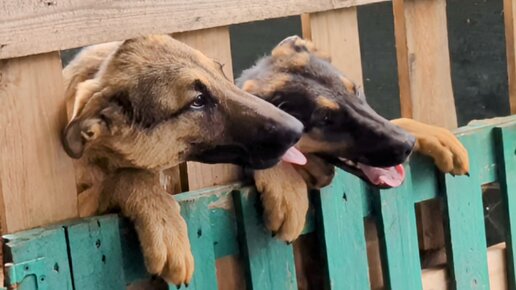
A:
{"x":424,"y":61}
{"x":37,"y":182}
{"x":510,"y":40}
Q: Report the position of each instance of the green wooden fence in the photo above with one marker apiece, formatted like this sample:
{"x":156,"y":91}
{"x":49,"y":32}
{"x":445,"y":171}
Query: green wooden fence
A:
{"x":102,"y":252}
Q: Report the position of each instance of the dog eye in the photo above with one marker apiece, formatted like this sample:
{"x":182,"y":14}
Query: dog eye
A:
{"x":198,"y":102}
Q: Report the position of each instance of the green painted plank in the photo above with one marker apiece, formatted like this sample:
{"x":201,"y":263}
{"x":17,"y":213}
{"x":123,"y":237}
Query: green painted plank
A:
{"x":269,"y":262}
{"x":506,"y":149}
{"x":95,"y":253}
{"x":341,"y":231}
{"x":42,"y":258}
{"x":197,"y":217}
{"x":397,"y":230}
{"x":464,"y":216}
{"x":132,"y":258}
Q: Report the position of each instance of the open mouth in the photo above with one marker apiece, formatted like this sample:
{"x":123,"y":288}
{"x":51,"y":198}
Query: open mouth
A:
{"x":381,"y":177}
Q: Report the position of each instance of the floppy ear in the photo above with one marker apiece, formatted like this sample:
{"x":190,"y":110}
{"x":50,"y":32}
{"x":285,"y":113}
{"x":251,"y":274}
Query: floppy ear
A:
{"x":79,"y":132}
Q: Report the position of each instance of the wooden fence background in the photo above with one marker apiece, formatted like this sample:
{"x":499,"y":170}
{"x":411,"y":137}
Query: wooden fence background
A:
{"x":36,"y":176}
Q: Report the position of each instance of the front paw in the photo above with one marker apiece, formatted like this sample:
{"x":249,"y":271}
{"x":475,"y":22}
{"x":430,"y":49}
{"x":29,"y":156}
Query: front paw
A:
{"x":284,"y":196}
{"x":440,"y":144}
{"x":164,"y":240}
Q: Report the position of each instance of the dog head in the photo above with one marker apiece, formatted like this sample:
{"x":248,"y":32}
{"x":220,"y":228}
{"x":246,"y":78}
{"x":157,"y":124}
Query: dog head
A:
{"x":155,"y":102}
{"x":339,"y":125}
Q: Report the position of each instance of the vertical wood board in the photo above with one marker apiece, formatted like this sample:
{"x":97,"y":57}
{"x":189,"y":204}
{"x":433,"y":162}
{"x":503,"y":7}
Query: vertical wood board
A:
{"x":269,"y":262}
{"x":397,"y":229}
{"x":37,"y":182}
{"x":464,"y":220}
{"x":341,"y":231}
{"x":506,"y":158}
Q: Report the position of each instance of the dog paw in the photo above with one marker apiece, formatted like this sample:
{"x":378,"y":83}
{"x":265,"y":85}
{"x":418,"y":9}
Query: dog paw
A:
{"x":440,"y":144}
{"x":164,"y":240}
{"x":284,"y":196}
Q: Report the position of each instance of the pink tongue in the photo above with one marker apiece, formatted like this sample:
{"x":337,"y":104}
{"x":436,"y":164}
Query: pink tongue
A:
{"x":390,"y":176}
{"x":294,"y":156}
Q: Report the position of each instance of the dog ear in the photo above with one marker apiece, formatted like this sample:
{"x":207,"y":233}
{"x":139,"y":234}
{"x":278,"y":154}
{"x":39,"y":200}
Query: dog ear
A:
{"x":78,"y":133}
{"x":92,"y":119}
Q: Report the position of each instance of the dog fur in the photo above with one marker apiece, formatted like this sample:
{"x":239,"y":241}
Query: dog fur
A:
{"x":144,"y":105}
{"x":299,"y":79}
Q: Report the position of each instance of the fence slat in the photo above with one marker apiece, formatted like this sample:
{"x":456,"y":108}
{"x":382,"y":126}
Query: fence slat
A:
{"x":96,"y":254}
{"x":37,"y":183}
{"x":197,"y":216}
{"x":341,"y":231}
{"x":270,"y":262}
{"x":336,"y":32}
{"x":42,"y":26}
{"x":506,"y":153}
{"x":397,"y":229}
{"x":40,"y":260}
{"x":510,"y":42}
{"x":464,"y":215}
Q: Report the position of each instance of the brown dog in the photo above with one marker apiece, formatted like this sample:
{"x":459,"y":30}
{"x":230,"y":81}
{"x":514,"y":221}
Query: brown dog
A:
{"x":147,"y":104}
{"x":339,"y":129}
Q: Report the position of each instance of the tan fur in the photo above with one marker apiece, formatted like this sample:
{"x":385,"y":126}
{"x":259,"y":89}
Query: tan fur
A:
{"x":447,"y":152}
{"x":122,"y":155}
{"x":349,"y":84}
{"x":284,"y":196}
{"x":327,"y":103}
{"x":267,"y":87}
{"x":161,"y":229}
{"x":440,"y":144}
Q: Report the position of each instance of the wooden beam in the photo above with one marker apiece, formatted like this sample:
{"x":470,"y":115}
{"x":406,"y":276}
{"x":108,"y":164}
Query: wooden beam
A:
{"x":336,"y":33}
{"x":425,"y":83}
{"x":424,"y":62}
{"x":37,"y":182}
{"x":215,"y":43}
{"x":36,"y":26}
{"x":510,"y":41}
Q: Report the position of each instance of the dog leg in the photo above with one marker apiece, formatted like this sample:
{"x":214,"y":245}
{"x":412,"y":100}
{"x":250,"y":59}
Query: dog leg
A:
{"x":317,"y":173}
{"x":156,"y":215}
{"x":445,"y":149}
{"x":284,"y":195}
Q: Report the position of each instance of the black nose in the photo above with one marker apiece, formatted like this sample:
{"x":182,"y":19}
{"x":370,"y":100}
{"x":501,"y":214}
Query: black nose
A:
{"x":390,"y":151}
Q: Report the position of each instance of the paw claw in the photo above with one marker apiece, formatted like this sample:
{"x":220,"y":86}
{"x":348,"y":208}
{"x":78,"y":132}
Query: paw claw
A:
{"x":178,"y":286}
{"x":284,"y":196}
{"x":467,"y":174}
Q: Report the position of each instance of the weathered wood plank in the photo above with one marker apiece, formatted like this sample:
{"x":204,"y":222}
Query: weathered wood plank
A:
{"x":506,"y":153}
{"x":341,"y":231}
{"x":37,"y":183}
{"x":39,"y":260}
{"x":464,"y":221}
{"x":424,"y":61}
{"x":33,"y":26}
{"x":197,"y":217}
{"x":336,"y":33}
{"x":215,"y":43}
{"x":397,"y":229}
{"x":510,"y":42}
{"x":269,"y":262}
{"x":95,"y":254}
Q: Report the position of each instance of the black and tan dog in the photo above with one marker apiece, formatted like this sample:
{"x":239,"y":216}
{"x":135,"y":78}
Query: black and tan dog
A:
{"x":147,"y":104}
{"x":339,"y":129}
